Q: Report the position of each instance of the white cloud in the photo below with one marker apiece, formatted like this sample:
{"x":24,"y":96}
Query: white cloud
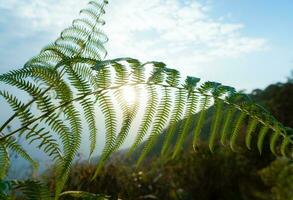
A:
{"x":175,"y":32}
{"x":42,"y":16}
{"x":181,"y":33}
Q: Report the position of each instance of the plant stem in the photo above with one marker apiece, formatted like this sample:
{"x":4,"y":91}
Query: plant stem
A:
{"x":24,"y":107}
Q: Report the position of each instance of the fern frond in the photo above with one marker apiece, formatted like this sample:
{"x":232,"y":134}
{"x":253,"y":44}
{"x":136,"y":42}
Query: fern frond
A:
{"x":159,"y":123}
{"x":130,"y":114}
{"x":96,"y":49}
{"x":215,"y":123}
{"x":75,"y":57}
{"x":83,"y":69}
{"x":49,"y":57}
{"x":236,"y":130}
{"x":73,"y":117}
{"x":83,"y":195}
{"x":88,"y":107}
{"x":218,"y":92}
{"x":64,"y":92}
{"x":110,"y":123}
{"x":121,"y":73}
{"x":43,"y":102}
{"x":173,"y":77}
{"x":21,"y":111}
{"x":120,"y":138}
{"x":147,"y":120}
{"x":273,"y":142}
{"x":15,"y":147}
{"x":110,"y":118}
{"x":43,"y":72}
{"x":252,"y":124}
{"x":4,"y":161}
{"x":103,"y":77}
{"x":32,"y":190}
{"x":72,"y":68}
{"x":46,"y":141}
{"x":93,"y":13}
{"x":76,"y":41}
{"x":21,"y":84}
{"x":203,"y":105}
{"x":77,"y":81}
{"x":63,"y":50}
{"x":87,"y":23}
{"x":264,"y":130}
{"x":227,"y":123}
{"x":84,"y":34}
{"x":284,"y":145}
{"x":57,"y":125}
{"x":157,"y":75}
{"x":99,"y":6}
{"x":177,"y":114}
{"x":137,"y":70}
{"x":192,"y":102}
{"x":77,"y":78}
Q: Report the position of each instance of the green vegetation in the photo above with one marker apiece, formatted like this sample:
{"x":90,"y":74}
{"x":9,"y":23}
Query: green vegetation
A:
{"x":70,"y":78}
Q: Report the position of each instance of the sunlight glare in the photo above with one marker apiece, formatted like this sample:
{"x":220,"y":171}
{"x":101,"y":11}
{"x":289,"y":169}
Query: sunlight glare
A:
{"x":129,"y":95}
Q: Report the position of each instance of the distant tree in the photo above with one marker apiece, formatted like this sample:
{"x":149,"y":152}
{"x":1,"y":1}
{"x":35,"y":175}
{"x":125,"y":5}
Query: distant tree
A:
{"x":290,"y":78}
{"x":277,"y":98}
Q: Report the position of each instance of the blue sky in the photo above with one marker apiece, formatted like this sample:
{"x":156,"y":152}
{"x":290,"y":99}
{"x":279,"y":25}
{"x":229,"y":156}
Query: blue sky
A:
{"x":243,"y":43}
{"x":272,"y":20}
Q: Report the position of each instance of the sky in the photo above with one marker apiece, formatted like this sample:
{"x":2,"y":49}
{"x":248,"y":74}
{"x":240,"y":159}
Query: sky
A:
{"x":243,"y":43}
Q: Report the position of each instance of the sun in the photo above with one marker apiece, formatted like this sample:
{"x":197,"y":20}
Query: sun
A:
{"x":129,"y":95}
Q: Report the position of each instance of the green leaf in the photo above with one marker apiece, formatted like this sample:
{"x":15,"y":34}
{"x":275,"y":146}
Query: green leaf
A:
{"x":215,"y":123}
{"x":237,"y":129}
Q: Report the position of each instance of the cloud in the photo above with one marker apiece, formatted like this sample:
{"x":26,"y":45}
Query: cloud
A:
{"x":179,"y":32}
{"x":28,"y":25}
{"x":41,"y":16}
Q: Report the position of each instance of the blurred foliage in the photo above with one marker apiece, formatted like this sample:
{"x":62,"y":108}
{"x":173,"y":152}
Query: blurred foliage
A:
{"x":222,"y":175}
{"x":279,"y":177}
{"x":277,"y":98}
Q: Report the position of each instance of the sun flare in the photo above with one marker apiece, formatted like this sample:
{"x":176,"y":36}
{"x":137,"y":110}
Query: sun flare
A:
{"x":129,"y":95}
